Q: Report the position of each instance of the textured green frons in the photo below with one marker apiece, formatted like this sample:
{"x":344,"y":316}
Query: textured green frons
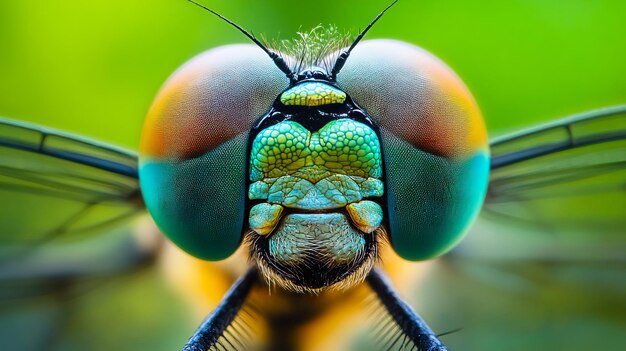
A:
{"x":279,"y":149}
{"x":312,"y":94}
{"x":342,"y":146}
{"x":372,"y":187}
{"x":332,"y":191}
{"x":258,"y":190}
{"x":345,"y":144}
{"x":327,"y":169}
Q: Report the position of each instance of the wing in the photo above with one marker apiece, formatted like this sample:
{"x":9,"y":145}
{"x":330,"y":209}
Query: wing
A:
{"x":41,"y":292}
{"x":544,"y":267}
{"x":64,"y":294}
{"x":566,"y":183}
{"x":57,"y":185}
{"x":102,"y":293}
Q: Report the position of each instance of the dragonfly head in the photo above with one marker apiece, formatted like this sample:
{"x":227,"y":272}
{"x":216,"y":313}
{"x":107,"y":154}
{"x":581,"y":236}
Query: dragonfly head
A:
{"x":315,"y":193}
{"x":314,"y":168}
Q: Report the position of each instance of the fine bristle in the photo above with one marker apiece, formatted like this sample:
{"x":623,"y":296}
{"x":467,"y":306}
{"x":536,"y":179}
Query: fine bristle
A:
{"x":275,"y":278}
{"x":319,"y":46}
{"x":245,"y":332}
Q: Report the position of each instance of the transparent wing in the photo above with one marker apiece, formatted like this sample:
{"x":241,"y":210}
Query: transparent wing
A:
{"x":57,"y":185}
{"x":559,"y":191}
{"x":544,"y":267}
{"x":67,"y":292}
{"x":569,"y":176}
{"x":100,"y":293}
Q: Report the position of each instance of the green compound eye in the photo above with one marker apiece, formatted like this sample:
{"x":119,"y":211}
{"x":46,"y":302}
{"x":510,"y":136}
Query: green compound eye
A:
{"x":195,"y":147}
{"x":434,"y":143}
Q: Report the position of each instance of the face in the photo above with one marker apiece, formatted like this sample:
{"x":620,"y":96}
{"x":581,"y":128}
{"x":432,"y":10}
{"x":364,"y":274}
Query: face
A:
{"x":314,"y":173}
{"x":315,"y":187}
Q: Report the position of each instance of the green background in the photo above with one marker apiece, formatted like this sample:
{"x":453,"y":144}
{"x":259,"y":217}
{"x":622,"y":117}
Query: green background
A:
{"x":93,"y":68}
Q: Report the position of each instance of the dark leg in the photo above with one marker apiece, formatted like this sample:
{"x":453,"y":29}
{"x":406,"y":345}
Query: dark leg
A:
{"x":407,"y":319}
{"x":214,"y":326}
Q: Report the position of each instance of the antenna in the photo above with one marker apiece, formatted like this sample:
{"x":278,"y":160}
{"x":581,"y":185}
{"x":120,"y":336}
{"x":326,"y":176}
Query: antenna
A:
{"x":341,"y":60}
{"x":278,"y":60}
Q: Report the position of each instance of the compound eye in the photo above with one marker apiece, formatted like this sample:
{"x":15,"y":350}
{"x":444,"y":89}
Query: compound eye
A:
{"x":193,"y":152}
{"x":434,"y":143}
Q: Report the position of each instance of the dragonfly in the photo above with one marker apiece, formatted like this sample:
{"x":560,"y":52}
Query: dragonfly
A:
{"x":553,"y":179}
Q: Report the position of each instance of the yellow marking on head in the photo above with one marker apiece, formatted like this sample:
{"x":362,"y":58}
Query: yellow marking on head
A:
{"x":312,"y":94}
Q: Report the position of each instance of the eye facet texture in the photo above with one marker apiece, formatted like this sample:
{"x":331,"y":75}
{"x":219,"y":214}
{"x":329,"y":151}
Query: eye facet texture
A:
{"x":433,"y":138}
{"x":193,"y":158}
{"x":194,"y":147}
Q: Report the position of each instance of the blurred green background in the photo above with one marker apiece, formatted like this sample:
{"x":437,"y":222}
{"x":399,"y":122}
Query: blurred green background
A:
{"x":93,"y":68}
